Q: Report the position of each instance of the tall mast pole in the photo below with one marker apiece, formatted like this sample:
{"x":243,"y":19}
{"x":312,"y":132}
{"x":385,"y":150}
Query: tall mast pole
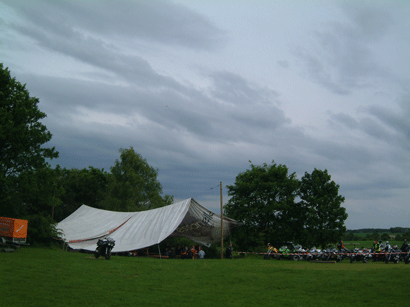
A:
{"x":222,"y":224}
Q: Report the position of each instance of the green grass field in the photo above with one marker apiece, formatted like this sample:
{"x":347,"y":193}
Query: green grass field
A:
{"x":50,"y":277}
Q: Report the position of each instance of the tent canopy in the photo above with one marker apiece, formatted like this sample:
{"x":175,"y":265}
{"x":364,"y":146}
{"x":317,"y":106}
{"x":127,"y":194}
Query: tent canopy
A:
{"x":136,"y":230}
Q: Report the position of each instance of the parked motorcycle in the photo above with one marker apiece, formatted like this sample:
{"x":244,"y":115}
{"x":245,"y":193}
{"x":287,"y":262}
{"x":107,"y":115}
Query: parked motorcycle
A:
{"x":407,"y":259}
{"x":272,"y":251}
{"x":391,"y":255}
{"x":104,"y":248}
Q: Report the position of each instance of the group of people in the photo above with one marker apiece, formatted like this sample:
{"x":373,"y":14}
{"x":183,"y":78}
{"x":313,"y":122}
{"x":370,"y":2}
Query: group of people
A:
{"x":183,"y":252}
{"x":378,"y":246}
{"x":195,"y":252}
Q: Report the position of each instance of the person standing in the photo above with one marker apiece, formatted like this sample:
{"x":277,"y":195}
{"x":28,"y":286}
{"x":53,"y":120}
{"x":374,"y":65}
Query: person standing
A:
{"x":201,"y":253}
{"x":388,"y":247}
{"x":376,"y":246}
{"x":194,"y":253}
{"x":405,"y":246}
{"x":228,"y":252}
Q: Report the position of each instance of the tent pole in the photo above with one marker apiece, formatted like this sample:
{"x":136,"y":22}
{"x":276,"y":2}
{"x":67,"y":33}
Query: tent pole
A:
{"x":222,"y":224}
{"x":159,"y":251}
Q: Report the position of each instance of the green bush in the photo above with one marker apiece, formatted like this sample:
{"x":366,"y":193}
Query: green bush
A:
{"x":41,"y":230}
{"x":212,"y":252}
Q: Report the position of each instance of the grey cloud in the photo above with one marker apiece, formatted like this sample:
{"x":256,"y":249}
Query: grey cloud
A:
{"x":159,"y":21}
{"x":374,"y":128}
{"x":345,"y":120}
{"x":399,"y":122}
{"x":100,"y":54}
{"x":380,"y":123}
{"x":347,"y":53}
{"x":319,"y":72}
{"x":369,"y":124}
{"x":171,"y":112}
{"x":372,"y":21}
{"x":342,"y":61}
{"x":234,"y":89}
{"x":178,"y":107}
{"x":283,"y":64}
{"x":346,"y":153}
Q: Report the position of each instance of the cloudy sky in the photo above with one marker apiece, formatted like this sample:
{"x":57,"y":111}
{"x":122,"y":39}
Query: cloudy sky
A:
{"x":199,"y":88}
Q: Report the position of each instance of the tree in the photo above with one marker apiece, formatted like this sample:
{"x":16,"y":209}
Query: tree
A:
{"x":22,"y":137}
{"x":133,"y":185}
{"x":385,"y":237}
{"x":375,"y":236}
{"x":80,"y":186}
{"x":38,"y":192}
{"x":321,"y":209}
{"x":263,"y":200}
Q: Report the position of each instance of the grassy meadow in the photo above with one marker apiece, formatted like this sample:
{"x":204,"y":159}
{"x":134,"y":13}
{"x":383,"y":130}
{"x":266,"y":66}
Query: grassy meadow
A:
{"x":50,"y":277}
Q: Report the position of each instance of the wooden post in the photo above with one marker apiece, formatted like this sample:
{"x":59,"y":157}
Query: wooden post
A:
{"x":52,"y":210}
{"x":222,"y":224}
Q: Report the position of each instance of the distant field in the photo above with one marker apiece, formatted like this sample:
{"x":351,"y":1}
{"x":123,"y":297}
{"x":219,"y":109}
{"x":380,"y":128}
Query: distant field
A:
{"x":44,"y":277}
{"x":363,"y":234}
{"x":367,"y":244}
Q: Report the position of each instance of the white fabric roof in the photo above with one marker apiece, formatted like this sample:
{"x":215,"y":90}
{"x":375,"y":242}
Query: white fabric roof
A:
{"x":136,"y":230}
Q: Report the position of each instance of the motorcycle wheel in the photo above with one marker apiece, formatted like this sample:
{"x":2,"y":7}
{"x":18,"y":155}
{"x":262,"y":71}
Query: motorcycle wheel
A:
{"x":386,"y":260}
{"x":108,"y":253}
{"x":406,"y":260}
{"x":96,"y":254}
{"x":365,"y":260}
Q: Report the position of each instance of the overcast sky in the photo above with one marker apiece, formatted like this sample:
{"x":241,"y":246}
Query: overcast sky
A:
{"x":199,"y":88}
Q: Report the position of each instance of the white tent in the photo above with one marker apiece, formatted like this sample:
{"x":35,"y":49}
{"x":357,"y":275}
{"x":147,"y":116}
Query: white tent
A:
{"x":136,"y":230}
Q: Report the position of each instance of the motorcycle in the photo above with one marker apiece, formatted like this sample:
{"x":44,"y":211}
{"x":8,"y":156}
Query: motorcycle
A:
{"x":360,"y":255}
{"x":391,"y":255}
{"x":291,"y":251}
{"x":407,"y":259}
{"x":104,"y":248}
{"x":272,"y":251}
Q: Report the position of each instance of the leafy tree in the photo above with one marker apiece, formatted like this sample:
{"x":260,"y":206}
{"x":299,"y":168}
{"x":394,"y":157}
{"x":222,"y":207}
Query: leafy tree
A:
{"x":349,"y":236}
{"x":80,"y":186}
{"x":398,"y":229}
{"x":385,"y":237}
{"x":375,"y":236}
{"x":263,"y":200}
{"x":406,"y":235}
{"x":133,"y":185}
{"x":38,"y":192}
{"x":22,"y":137}
{"x":41,"y":230}
{"x":321,"y":209}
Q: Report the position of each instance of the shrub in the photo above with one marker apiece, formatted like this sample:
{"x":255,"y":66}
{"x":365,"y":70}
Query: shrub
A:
{"x":41,"y":230}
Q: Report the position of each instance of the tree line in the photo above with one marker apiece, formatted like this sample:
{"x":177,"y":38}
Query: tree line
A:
{"x":274,"y":207}
{"x":372,"y":234}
